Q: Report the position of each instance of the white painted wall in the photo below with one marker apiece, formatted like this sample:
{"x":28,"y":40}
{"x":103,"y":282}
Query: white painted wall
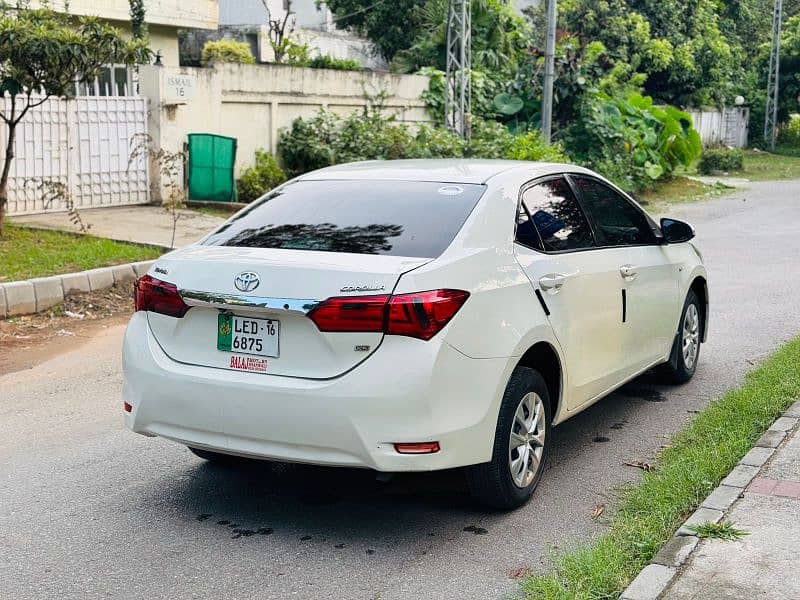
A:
{"x":201,"y":14}
{"x":254,"y":102}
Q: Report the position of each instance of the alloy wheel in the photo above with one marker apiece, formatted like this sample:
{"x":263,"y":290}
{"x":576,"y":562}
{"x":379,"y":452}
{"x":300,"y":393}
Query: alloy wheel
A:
{"x":526,"y":443}
{"x":691,"y":336}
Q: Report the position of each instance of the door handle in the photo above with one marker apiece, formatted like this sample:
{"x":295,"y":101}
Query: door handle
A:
{"x":552,"y":283}
{"x":628,"y":272}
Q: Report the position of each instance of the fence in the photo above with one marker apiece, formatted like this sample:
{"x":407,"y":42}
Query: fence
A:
{"x":84,"y":143}
{"x":726,"y":127}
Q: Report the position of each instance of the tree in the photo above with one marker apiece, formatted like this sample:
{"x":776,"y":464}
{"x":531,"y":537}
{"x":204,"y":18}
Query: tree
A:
{"x":42,"y":55}
{"x":680,"y":45}
{"x":280,"y":30}
{"x":391,"y":25}
{"x":138,"y":24}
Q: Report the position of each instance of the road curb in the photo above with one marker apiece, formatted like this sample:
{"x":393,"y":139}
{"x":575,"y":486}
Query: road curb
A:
{"x":657,"y":577}
{"x":36,"y":295}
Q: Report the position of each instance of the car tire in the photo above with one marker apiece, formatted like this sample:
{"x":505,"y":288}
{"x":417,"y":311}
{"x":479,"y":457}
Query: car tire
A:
{"x":501,"y":483}
{"x":210,"y":456}
{"x":685,"y":352}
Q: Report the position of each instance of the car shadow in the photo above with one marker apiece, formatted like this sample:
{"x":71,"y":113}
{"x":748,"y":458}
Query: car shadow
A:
{"x":339,"y":507}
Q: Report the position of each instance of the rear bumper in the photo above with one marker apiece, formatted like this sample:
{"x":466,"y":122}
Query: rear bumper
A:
{"x":407,"y":391}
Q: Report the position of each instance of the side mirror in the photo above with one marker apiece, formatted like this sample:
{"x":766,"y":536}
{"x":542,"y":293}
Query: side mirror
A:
{"x":676,"y":231}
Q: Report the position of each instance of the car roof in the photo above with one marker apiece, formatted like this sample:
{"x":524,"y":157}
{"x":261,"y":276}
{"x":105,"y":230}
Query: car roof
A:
{"x":444,"y":170}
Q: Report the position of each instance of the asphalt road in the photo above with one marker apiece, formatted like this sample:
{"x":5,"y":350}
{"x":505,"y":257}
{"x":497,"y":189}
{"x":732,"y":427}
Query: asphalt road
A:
{"x":89,"y":510}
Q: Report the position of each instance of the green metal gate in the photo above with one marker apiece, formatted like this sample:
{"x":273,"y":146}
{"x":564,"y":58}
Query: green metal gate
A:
{"x":211,"y":160}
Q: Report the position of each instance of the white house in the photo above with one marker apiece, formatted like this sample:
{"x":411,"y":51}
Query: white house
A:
{"x":312,"y":24}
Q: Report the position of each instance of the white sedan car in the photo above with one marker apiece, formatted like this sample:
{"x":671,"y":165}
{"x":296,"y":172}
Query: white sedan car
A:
{"x":412,"y":316}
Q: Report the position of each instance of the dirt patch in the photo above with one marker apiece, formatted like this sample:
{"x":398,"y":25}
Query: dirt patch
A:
{"x":31,"y":339}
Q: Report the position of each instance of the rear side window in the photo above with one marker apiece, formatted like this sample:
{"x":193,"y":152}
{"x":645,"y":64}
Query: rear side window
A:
{"x":618,"y":222}
{"x":557,"y":216}
{"x":397,"y":218}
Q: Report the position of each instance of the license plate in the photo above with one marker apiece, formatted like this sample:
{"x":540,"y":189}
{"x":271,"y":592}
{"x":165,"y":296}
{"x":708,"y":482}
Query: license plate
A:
{"x":246,"y":335}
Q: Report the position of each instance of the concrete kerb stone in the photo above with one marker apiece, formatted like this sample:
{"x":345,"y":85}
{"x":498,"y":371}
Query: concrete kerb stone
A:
{"x":123,"y":273}
{"x":100,"y":279}
{"x":75,"y":283}
{"x":676,"y":551}
{"x":658,"y":576}
{"x":771,"y":439}
{"x":48,"y":292}
{"x":783,"y":424}
{"x":722,"y":497}
{"x":141,"y":268}
{"x":35,"y":295}
{"x":757,"y":456}
{"x":741,"y":476}
{"x":794,"y":411}
{"x":650,"y":583}
{"x":20,"y":298}
{"x":698,"y":517}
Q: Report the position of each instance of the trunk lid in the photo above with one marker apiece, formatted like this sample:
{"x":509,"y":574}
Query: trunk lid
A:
{"x":290,"y":282}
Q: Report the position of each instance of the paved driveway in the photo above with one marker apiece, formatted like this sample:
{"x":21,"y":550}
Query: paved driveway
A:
{"x":142,"y":224}
{"x":90,"y":510}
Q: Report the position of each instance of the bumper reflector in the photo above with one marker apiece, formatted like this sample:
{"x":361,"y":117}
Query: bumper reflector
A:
{"x":127,"y":407}
{"x":417,"y":448}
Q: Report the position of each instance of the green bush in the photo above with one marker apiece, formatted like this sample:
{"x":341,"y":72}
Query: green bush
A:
{"x":491,"y":139}
{"x":339,"y":64}
{"x":720,"y":160}
{"x":227,"y":51}
{"x":634,"y":141}
{"x":327,"y":139}
{"x":260,"y":178}
{"x":790,"y":133}
{"x":308,"y":144}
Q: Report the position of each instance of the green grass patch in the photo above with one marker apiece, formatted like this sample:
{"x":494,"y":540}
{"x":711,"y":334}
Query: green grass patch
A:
{"x":26,"y":253}
{"x":765,"y":166}
{"x":719,"y":531}
{"x":214,"y":211}
{"x":686,"y":471}
{"x":679,"y":190}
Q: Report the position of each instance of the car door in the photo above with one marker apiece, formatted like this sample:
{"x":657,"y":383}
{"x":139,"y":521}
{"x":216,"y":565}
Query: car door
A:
{"x":650,"y":282}
{"x":577,"y":286}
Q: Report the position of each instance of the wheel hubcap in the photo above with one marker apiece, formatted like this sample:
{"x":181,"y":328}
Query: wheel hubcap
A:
{"x":526,"y":444}
{"x":691,"y":336}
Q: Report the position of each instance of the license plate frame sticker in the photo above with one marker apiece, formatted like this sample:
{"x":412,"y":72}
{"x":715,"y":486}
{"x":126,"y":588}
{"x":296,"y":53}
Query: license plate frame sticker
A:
{"x":248,"y":335}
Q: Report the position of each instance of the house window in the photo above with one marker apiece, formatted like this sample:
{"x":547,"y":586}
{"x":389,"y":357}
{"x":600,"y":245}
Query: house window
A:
{"x":112,"y":80}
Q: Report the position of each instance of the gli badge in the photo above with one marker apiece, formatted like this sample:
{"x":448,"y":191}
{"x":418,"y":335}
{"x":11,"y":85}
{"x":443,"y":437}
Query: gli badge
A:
{"x":246,"y":281}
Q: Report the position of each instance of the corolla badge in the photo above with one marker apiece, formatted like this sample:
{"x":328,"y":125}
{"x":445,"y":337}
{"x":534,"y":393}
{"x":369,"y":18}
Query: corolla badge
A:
{"x":362,"y":288}
{"x":246,"y":281}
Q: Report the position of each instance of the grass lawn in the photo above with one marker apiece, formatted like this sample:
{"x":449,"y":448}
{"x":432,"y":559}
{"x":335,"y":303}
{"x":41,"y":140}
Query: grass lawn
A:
{"x":678,"y":190}
{"x":26,"y":253}
{"x":764,"y":166}
{"x":695,"y":461}
{"x":214,"y":211}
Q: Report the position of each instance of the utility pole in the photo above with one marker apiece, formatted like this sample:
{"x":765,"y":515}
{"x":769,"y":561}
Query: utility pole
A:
{"x":549,"y":71}
{"x":773,"y":87}
{"x":458,"y":93}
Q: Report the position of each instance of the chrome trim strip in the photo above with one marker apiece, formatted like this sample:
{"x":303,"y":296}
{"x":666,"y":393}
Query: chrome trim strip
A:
{"x":228,"y":301}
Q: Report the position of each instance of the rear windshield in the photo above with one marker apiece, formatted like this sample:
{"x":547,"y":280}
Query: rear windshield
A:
{"x":398,"y":218}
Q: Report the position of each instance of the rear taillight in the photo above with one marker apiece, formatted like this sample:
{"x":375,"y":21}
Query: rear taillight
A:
{"x":158,"y":296}
{"x":359,"y":313}
{"x":421,"y":315}
{"x":424,"y":314}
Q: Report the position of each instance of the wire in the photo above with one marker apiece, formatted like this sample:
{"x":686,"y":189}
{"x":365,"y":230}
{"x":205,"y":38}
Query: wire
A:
{"x":358,"y":12}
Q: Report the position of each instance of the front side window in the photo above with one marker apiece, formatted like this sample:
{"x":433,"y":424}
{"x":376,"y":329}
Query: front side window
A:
{"x":618,"y":222}
{"x":557,"y":216}
{"x":397,"y":218}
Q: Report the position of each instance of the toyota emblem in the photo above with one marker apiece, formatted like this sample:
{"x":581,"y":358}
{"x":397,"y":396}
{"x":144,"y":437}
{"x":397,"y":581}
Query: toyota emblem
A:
{"x":247,"y":281}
